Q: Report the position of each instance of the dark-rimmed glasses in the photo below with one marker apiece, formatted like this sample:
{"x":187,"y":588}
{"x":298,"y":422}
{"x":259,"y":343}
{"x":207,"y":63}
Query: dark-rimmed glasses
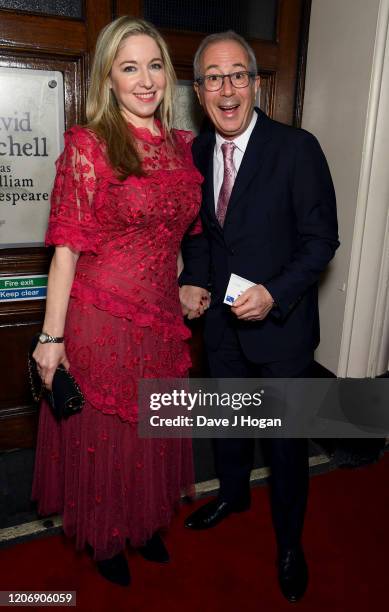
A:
{"x":214,"y":82}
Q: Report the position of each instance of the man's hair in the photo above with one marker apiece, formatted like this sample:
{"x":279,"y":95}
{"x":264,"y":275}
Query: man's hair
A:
{"x":221,"y":37}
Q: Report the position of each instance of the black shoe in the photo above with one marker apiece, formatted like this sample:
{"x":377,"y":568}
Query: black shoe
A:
{"x":155,"y":550}
{"x":115,"y":569}
{"x":292,"y":574}
{"x":214,"y":512}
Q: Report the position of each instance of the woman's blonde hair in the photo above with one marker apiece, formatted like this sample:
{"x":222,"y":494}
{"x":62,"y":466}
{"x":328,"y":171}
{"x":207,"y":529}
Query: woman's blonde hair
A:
{"x":102,"y":110}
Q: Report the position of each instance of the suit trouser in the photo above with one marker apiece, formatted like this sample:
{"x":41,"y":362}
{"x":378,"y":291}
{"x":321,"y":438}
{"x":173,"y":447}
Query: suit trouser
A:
{"x":287,"y":458}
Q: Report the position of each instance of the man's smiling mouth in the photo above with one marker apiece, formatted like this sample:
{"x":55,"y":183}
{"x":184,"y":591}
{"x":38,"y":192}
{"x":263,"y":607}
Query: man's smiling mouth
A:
{"x":228,"y":109}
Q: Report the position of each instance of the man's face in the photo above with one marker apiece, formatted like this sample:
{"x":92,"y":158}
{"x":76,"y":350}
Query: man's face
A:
{"x":230,"y":109}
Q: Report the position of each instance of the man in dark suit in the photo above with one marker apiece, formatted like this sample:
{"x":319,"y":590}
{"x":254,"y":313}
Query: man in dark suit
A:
{"x":269,"y":216}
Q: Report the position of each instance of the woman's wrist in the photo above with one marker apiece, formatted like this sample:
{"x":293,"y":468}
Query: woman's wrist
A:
{"x":45,"y":337}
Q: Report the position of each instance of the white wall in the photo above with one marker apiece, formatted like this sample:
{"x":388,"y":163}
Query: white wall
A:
{"x":338,"y":83}
{"x":365,"y":340}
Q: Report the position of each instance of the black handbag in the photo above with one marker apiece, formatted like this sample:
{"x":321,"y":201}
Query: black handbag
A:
{"x":65,"y":398}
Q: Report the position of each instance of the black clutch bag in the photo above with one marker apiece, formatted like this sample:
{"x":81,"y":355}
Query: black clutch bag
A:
{"x":65,"y":397}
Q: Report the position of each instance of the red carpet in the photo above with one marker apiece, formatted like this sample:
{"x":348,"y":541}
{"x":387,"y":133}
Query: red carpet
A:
{"x":231,"y":568}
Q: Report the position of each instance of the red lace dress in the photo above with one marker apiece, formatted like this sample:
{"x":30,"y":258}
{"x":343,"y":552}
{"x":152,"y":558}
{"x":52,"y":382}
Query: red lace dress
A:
{"x":123,"y":323}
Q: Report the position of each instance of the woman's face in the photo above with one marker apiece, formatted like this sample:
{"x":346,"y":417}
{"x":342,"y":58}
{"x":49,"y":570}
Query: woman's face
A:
{"x":138,"y":79}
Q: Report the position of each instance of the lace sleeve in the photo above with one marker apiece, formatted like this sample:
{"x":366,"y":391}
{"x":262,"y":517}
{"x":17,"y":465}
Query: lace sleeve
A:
{"x":72,"y":222}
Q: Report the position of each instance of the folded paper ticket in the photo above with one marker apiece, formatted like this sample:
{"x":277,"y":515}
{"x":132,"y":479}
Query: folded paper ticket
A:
{"x":236,"y":286}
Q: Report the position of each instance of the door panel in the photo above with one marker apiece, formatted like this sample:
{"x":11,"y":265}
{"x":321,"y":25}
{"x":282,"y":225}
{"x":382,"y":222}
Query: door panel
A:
{"x":41,"y":43}
{"x":278,"y":58}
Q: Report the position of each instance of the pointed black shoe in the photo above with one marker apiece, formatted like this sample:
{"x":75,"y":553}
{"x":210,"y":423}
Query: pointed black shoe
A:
{"x":155,"y":550}
{"x":292,"y":574}
{"x":212,"y":513}
{"x":115,"y":569}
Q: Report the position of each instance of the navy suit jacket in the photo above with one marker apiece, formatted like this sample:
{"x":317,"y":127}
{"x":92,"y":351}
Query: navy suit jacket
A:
{"x":280,"y":231}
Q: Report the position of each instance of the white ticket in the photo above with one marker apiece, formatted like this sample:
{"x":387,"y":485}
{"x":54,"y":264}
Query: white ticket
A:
{"x":236,"y":286}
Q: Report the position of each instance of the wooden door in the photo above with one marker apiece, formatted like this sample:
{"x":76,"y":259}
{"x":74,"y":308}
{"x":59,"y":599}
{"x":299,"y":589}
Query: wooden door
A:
{"x":63,"y":40}
{"x":280,"y":54}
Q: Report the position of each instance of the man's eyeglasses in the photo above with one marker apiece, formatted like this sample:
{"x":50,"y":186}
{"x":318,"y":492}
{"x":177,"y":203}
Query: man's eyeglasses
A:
{"x":214,"y":82}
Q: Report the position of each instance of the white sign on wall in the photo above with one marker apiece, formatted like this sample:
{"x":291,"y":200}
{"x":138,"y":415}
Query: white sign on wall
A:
{"x":31,"y":139}
{"x":187,"y":112}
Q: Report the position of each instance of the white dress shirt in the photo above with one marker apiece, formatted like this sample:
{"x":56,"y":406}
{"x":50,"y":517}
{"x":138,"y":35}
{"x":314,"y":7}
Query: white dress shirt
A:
{"x":218,"y":165}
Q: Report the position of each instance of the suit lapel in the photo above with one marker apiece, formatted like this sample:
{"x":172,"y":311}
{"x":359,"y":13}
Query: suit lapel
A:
{"x":252,"y":159}
{"x":251,"y":163}
{"x":205,"y":165}
{"x":209,"y":193}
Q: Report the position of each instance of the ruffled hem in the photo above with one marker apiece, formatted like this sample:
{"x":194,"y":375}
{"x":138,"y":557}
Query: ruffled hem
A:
{"x":165,"y":324}
{"x":60,"y":234}
{"x":108,"y":355}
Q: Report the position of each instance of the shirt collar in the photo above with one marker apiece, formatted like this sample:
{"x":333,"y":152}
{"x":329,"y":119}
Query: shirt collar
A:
{"x":240,"y":141}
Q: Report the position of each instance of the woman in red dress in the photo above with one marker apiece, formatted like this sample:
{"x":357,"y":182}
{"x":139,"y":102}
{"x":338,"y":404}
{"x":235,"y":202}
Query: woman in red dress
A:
{"x":125,"y":193}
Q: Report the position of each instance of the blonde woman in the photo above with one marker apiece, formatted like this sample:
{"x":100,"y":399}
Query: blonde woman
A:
{"x":125,"y":193}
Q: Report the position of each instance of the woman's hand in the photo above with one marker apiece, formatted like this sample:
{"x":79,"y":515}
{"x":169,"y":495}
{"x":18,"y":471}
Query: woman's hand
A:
{"x":48,"y":357}
{"x":194,"y":300}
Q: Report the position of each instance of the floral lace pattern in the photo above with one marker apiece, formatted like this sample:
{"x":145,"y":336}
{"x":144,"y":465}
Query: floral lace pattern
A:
{"x":128,"y":233}
{"x":109,"y":485}
{"x":123,"y":323}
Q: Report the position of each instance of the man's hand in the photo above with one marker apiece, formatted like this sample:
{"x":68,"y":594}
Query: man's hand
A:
{"x":194,"y":300}
{"x":253,"y":305}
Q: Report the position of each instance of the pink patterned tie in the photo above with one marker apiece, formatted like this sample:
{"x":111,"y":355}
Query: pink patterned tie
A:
{"x":228,"y":181}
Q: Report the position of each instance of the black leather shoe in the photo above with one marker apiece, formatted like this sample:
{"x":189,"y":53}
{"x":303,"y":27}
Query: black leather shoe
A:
{"x":115,"y":569}
{"x":292,"y":574}
{"x":155,"y":550}
{"x":213,"y":513}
